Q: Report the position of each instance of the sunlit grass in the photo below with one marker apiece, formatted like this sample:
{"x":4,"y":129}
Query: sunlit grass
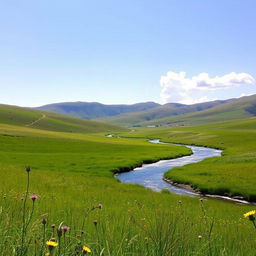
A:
{"x":233,"y":174}
{"x":71,"y":175}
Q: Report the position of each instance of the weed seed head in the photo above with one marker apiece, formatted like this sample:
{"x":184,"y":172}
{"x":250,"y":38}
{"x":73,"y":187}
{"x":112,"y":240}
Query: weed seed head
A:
{"x":27,"y":168}
{"x":44,"y":221}
{"x":59,"y":232}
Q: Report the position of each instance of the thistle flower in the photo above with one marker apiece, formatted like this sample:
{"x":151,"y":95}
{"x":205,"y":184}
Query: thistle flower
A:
{"x":65,"y":228}
{"x":33,"y":197}
{"x":86,"y":250}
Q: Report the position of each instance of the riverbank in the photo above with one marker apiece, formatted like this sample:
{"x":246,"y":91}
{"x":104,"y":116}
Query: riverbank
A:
{"x":151,"y":175}
{"x":233,"y":174}
{"x":238,"y":200}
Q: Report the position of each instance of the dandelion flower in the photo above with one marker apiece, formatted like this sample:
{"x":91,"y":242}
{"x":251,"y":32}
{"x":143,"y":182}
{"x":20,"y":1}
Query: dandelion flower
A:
{"x":51,"y":244}
{"x":250,"y":215}
{"x":86,"y":250}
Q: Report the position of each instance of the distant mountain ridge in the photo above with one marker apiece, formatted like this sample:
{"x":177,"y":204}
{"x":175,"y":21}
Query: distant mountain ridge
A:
{"x":162,"y":111}
{"x":151,"y":113}
{"x":232,"y":109}
{"x":95,"y":110}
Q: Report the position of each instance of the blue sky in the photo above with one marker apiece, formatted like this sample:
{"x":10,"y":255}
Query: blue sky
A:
{"x":120,"y":51}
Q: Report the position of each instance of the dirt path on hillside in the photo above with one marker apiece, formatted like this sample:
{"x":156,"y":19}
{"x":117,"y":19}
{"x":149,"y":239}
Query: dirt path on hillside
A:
{"x":36,"y":121}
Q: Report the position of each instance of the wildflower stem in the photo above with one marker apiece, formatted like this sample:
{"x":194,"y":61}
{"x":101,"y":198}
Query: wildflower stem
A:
{"x":254,"y":224}
{"x":24,"y":215}
{"x":30,"y":217}
{"x":44,"y":234}
{"x":59,"y":246}
{"x":64,"y":244}
{"x":43,"y":239}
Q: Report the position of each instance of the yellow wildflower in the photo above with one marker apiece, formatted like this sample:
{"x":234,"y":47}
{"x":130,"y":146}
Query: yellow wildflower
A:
{"x":86,"y":250}
{"x":47,"y":254}
{"x":250,"y":214}
{"x":51,"y":244}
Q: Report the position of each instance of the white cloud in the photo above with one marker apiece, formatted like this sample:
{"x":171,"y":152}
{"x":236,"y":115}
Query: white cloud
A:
{"x":245,"y":94}
{"x":176,"y":87}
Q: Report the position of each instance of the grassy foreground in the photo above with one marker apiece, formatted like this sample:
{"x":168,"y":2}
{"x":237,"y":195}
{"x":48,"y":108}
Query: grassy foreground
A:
{"x":71,"y":173}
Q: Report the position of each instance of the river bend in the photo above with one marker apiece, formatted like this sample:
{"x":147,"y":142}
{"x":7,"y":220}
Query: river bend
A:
{"x":151,"y":175}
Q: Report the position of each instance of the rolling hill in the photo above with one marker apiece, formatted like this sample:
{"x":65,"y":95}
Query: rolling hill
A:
{"x":150,"y":113}
{"x":95,"y":110}
{"x":13,"y":115}
{"x":232,"y":110}
{"x":162,"y":111}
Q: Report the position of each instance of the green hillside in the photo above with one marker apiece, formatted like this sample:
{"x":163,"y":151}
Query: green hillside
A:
{"x":26,"y":117}
{"x":164,"y":111}
{"x":95,"y":110}
{"x":208,"y":112}
{"x":237,"y":109}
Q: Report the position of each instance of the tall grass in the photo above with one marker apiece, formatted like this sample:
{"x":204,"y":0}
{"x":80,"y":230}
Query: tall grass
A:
{"x":71,"y":177}
{"x":133,"y":225}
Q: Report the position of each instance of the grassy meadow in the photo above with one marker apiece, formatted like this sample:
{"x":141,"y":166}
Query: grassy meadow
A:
{"x":72,"y":177}
{"x":233,"y":174}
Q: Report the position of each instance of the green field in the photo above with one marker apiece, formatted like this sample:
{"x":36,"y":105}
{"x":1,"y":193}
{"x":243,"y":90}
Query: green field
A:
{"x":233,"y":174}
{"x":72,"y":172}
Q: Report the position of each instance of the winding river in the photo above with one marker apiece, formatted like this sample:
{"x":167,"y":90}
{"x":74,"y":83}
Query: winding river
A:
{"x":151,"y":175}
